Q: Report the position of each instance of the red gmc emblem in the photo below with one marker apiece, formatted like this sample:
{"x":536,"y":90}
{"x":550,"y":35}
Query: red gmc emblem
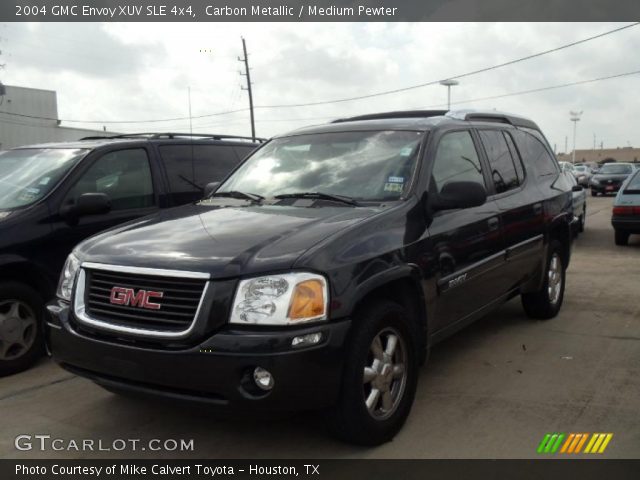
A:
{"x":128,"y":296}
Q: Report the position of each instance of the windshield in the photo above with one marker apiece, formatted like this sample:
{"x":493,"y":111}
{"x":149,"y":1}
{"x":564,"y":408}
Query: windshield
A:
{"x":27,"y":175}
{"x":610,"y":169}
{"x":580,"y":169}
{"x":634,"y":184}
{"x":372,"y":166}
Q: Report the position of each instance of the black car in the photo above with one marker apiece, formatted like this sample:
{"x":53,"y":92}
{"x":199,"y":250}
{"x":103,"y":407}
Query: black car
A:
{"x":55,"y":195}
{"x":323,"y":269}
{"x":609,"y":178}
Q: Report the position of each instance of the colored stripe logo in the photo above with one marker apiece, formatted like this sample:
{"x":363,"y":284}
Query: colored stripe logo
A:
{"x":574,"y":443}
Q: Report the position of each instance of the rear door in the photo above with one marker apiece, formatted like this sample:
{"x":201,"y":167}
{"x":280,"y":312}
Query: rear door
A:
{"x":190,"y":167}
{"x":520,"y":205}
{"x":466,"y":243}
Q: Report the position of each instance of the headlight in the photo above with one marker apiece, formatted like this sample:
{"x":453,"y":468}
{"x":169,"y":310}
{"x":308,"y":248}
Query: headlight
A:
{"x":595,"y":181}
{"x":287,"y":299}
{"x":68,"y":277}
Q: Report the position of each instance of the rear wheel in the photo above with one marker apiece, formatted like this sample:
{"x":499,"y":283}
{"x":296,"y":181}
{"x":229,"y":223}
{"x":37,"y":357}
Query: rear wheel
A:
{"x":545,"y":303}
{"x":380,"y":376}
{"x":21,"y":342}
{"x":621,"y":237}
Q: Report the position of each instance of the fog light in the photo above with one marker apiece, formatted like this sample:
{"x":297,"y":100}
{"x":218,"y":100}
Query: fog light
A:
{"x":308,"y":339}
{"x":263,"y":378}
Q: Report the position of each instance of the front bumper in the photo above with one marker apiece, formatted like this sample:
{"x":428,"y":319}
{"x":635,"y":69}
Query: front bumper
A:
{"x":219,"y":370}
{"x":629,"y":224}
{"x":605,"y":187}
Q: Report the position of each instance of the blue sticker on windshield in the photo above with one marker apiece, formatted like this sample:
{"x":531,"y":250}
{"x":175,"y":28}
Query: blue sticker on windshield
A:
{"x":406,"y":151}
{"x":396,"y":180}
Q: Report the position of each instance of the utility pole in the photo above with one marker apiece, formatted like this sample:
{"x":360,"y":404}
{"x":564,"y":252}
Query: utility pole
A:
{"x":575,"y":118}
{"x":566,"y":144}
{"x":247,"y":73}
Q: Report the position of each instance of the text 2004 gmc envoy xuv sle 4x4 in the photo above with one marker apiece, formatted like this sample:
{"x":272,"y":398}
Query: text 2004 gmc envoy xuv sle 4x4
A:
{"x":320,"y":272}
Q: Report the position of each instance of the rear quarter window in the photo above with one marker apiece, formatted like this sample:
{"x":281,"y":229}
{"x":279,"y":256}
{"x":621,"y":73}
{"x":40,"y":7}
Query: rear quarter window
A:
{"x":534,"y":154}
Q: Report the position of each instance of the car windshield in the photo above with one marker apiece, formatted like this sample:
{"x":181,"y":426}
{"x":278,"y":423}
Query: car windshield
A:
{"x":580,"y":168}
{"x":609,"y":169}
{"x":367,"y":166}
{"x":634,"y":184}
{"x":27,"y":175}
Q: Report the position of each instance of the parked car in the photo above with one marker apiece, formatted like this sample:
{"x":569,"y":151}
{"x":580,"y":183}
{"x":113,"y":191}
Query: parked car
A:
{"x":321,"y":271}
{"x":579,"y":203}
{"x":55,"y":195}
{"x":610,"y":177}
{"x":626,"y":210}
{"x":582,"y":174}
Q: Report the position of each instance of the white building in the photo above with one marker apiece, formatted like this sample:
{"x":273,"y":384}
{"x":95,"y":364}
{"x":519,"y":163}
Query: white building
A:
{"x":30,"y":115}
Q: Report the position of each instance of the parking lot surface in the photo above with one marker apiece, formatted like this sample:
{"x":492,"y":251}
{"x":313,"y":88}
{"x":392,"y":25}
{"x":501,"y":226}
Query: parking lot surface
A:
{"x":491,"y":391}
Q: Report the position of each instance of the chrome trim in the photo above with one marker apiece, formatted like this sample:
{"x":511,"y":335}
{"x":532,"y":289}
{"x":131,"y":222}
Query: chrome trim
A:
{"x":79,"y":307}
{"x":146,"y":271}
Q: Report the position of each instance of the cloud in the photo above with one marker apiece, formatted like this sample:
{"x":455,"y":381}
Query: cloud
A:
{"x":142,"y":71}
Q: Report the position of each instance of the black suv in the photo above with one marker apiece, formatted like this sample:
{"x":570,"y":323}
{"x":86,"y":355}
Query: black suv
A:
{"x":55,"y":195}
{"x":322,"y":270}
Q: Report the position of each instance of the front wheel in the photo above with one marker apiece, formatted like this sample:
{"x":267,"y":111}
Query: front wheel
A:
{"x":545,"y":303}
{"x":21,"y":343}
{"x":583,"y":220}
{"x":380,"y":376}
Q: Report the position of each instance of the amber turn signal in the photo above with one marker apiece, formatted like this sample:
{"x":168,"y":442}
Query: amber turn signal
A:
{"x":308,"y":300}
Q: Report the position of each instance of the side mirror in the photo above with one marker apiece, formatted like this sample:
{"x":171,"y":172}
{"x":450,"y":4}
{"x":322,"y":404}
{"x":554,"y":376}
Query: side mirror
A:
{"x":460,"y":195}
{"x":576,"y":188}
{"x":210,"y":188}
{"x":87,"y":204}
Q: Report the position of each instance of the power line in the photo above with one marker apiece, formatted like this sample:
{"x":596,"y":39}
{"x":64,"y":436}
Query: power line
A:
{"x":325,"y":102}
{"x":541,"y":89}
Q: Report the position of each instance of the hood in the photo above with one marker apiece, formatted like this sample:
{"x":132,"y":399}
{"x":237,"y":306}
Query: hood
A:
{"x":225,"y":241}
{"x":610,"y":176}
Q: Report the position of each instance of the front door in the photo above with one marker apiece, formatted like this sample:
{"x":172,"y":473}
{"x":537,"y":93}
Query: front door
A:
{"x":468,"y":245}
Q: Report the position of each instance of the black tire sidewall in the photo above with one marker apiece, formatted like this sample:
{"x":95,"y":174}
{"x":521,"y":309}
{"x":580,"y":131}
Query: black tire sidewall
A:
{"x":19,"y":291}
{"x":355,"y":424}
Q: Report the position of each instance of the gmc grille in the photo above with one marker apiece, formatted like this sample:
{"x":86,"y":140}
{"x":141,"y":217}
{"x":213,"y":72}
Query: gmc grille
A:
{"x":178,"y":304}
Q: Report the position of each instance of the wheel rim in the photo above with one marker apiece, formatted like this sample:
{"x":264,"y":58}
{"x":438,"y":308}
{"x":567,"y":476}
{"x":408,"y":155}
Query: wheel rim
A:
{"x":17,"y":329}
{"x":555,"y":278}
{"x":385,"y":374}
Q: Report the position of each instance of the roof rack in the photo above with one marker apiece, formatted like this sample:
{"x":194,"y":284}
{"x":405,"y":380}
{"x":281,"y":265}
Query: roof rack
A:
{"x":171,"y":135}
{"x":398,"y":114}
{"x":492,"y":116}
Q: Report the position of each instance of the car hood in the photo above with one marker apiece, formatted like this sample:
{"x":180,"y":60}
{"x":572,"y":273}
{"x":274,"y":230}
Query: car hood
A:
{"x":225,"y":241}
{"x":610,"y":176}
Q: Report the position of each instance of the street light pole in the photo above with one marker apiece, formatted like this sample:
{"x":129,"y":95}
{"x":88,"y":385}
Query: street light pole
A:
{"x":575,"y":118}
{"x":449,"y":83}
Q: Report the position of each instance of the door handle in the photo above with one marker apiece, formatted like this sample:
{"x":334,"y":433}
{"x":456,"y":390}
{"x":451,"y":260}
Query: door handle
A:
{"x":537,"y":208}
{"x":493,"y":223}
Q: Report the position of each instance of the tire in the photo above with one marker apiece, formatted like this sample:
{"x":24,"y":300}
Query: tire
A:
{"x":21,"y":336}
{"x":546,"y":303}
{"x":583,"y":220}
{"x":594,"y":193}
{"x":352,"y":420}
{"x":621,"y":237}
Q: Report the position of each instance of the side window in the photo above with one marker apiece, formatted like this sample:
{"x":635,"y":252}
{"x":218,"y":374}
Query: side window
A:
{"x":535,"y":154}
{"x":212,"y":163}
{"x":243,"y":152}
{"x":503,"y":169}
{"x":456,"y":160}
{"x":517,"y":161}
{"x":178,"y":163}
{"x":123,"y":175}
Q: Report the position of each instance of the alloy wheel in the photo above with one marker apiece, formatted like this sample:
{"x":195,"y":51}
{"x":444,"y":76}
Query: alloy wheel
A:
{"x":17,"y":329}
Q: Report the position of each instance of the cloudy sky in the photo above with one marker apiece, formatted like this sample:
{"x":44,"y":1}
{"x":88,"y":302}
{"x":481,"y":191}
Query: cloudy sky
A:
{"x":130,"y":72}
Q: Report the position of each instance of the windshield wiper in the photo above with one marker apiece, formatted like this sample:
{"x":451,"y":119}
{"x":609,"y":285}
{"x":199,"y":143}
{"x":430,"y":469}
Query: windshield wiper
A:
{"x":320,"y":196}
{"x":242,"y":195}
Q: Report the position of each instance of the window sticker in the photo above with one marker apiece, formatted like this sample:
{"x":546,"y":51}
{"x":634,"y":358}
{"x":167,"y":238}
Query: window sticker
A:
{"x":393,"y":187}
{"x":44,"y":181}
{"x":406,"y":151}
{"x":395,"y":180}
